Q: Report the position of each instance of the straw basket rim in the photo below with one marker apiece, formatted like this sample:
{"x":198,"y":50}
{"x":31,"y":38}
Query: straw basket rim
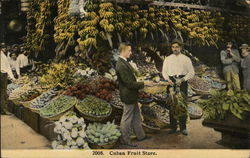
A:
{"x":108,"y":145}
{"x":53,"y":117}
{"x":92,"y":117}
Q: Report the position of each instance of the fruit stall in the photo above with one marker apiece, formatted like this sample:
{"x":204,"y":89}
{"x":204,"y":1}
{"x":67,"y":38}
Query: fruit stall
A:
{"x":73,"y":99}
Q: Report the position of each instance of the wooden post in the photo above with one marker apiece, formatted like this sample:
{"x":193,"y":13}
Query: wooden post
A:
{"x":4,"y":102}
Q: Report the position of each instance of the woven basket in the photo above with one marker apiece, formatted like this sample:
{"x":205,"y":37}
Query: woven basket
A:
{"x":117,"y":107}
{"x":26,"y":103}
{"x":161,"y":124}
{"x":15,"y":101}
{"x":36,"y":110}
{"x":155,"y":89}
{"x":91,"y":117}
{"x":150,"y":129}
{"x":193,"y":115}
{"x":200,"y":92}
{"x":109,"y":145}
{"x":57,"y":116}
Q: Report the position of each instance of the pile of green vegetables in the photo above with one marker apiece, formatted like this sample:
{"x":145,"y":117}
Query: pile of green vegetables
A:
{"x":58,"y":106}
{"x":94,"y":106}
{"x":99,"y":133}
{"x":222,"y":102}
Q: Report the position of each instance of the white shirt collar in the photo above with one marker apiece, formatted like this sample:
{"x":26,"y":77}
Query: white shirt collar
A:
{"x":123,"y":58}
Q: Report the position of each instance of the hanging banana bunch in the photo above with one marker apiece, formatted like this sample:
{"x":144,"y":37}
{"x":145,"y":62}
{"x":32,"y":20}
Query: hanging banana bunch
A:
{"x":162,"y":18}
{"x":107,"y":14}
{"x":39,"y":35}
{"x":65,"y":26}
{"x":152,"y":22}
{"x":87,"y":30}
{"x":144,"y":23}
{"x":135,"y":22}
{"x":239,"y":28}
{"x":118,"y":23}
{"x":31,"y":29}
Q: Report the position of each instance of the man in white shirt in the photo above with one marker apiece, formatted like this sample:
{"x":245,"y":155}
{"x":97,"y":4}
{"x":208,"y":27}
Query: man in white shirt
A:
{"x":177,"y":70}
{"x":23,"y":58}
{"x":5,"y":72}
{"x":14,"y":65}
{"x":5,"y":65}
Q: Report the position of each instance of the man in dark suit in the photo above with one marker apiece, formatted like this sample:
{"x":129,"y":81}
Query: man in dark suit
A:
{"x":129,"y":88}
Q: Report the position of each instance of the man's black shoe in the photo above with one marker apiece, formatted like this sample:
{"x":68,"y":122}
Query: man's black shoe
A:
{"x":145,"y":138}
{"x":172,"y":131}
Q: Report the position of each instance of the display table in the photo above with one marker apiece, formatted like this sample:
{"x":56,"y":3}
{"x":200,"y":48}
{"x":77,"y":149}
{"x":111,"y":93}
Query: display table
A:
{"x":235,"y":132}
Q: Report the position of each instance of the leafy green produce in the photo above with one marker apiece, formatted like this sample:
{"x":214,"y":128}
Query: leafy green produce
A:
{"x":222,"y":102}
{"x":57,"y":106}
{"x":92,"y":105}
{"x":99,"y":133}
{"x":178,"y":104}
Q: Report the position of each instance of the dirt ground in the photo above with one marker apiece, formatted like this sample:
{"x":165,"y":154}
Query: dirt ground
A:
{"x":15,"y":134}
{"x":199,"y":137}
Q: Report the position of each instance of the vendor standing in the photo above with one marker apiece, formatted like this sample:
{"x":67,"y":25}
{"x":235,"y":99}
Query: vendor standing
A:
{"x":177,"y":70}
{"x":129,"y":89}
{"x":5,"y":74}
{"x":23,"y":60}
{"x":245,"y":65}
{"x":230,"y":59}
{"x":14,"y":64}
{"x":5,"y":65}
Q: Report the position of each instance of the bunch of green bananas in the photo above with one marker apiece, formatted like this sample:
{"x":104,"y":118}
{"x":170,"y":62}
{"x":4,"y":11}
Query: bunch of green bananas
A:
{"x":239,"y":28}
{"x":178,"y":104}
{"x":220,"y":103}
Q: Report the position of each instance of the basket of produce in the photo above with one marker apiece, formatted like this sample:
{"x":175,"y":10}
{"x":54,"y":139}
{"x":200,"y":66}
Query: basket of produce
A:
{"x":150,"y":126}
{"x":93,"y":108}
{"x":57,"y":107}
{"x":102,"y":136}
{"x":43,"y":100}
{"x":12,"y":86}
{"x":15,"y":94}
{"x":157,"y":114}
{"x":116,"y":100}
{"x":195,"y":112}
{"x":155,"y":89}
{"x":27,"y":97}
{"x":162,"y":116}
{"x":199,"y":85}
{"x":100,"y":87}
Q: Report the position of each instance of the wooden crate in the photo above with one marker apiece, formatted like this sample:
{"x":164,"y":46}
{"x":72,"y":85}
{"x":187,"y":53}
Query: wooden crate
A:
{"x":18,"y":111}
{"x":31,"y":119}
{"x":10,"y":106}
{"x":46,"y":128}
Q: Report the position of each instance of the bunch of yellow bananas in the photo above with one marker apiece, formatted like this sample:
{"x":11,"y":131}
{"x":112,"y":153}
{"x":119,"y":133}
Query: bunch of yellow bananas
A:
{"x":38,"y":19}
{"x":59,"y":74}
{"x":65,"y":26}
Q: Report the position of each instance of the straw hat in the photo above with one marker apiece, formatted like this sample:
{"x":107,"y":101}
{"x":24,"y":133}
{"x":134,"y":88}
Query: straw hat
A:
{"x":244,"y":46}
